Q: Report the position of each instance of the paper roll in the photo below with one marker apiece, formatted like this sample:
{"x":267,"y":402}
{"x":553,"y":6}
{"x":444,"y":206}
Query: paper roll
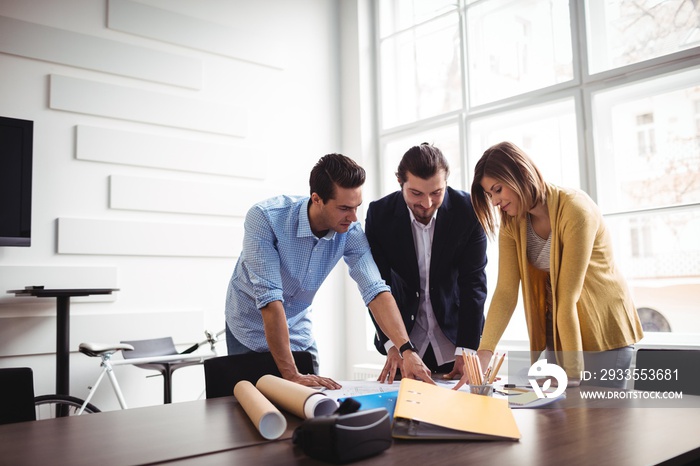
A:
{"x":267,"y":419}
{"x":304,"y":402}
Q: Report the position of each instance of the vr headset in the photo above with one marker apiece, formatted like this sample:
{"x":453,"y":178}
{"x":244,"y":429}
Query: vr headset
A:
{"x":341,"y":437}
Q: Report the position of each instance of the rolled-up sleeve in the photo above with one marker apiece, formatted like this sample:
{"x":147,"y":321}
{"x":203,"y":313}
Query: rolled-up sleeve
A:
{"x":262,"y":264}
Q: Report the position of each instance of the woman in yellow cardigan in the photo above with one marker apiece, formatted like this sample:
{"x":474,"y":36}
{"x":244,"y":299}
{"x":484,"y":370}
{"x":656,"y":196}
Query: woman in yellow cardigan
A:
{"x":554,"y":243}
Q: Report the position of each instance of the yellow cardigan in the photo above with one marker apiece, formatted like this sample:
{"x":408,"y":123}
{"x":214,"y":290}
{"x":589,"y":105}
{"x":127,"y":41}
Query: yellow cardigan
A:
{"x":592,"y":309}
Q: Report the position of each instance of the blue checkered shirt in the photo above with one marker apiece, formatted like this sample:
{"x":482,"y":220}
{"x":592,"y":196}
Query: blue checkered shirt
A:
{"x":282,"y":260}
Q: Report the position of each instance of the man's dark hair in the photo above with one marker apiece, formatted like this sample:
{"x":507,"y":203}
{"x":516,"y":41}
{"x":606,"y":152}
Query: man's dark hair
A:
{"x":332,"y":170}
{"x":423,"y":161}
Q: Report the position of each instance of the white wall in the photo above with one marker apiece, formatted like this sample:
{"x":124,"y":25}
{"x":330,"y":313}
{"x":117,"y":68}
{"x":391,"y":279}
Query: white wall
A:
{"x":155,"y":127}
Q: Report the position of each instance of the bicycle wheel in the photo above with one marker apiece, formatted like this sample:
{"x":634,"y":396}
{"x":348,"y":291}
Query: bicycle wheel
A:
{"x":50,"y":406}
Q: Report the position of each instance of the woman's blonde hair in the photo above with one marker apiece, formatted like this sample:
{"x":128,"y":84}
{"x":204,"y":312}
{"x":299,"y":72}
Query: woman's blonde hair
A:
{"x":511,"y":166}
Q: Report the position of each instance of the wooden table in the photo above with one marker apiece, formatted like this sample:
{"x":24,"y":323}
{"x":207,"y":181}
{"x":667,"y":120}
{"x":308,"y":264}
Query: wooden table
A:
{"x":571,"y":436}
{"x":217,"y":431}
{"x":134,"y":436}
{"x":62,"y":296}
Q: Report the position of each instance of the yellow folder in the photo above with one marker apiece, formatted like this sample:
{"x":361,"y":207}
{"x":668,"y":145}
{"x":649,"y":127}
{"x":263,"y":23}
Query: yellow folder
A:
{"x":429,"y":412}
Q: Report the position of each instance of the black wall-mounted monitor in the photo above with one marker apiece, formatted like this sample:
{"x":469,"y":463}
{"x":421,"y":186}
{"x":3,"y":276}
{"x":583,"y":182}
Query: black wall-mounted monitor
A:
{"x":16,"y":145}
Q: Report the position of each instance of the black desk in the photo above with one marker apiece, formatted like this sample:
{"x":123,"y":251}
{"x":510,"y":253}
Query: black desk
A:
{"x":62,"y":325}
{"x":217,"y":431}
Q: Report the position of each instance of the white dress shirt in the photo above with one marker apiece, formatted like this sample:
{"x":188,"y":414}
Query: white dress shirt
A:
{"x":426,"y":329}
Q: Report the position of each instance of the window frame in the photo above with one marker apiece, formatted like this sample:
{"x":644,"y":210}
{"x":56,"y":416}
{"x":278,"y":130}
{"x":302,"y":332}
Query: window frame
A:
{"x":581,"y":88}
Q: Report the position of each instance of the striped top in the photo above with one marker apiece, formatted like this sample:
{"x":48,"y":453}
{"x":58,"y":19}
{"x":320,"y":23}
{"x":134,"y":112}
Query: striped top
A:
{"x":538,"y":248}
{"x":538,"y":255}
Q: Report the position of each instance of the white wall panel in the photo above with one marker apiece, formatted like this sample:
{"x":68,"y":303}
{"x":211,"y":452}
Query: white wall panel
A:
{"x":108,"y":100}
{"x":14,"y":277}
{"x":83,"y":51}
{"x":116,"y":237}
{"x":167,"y":26}
{"x":164,"y":262}
{"x":168,"y":195}
{"x":172,"y":153}
{"x":20,"y":333}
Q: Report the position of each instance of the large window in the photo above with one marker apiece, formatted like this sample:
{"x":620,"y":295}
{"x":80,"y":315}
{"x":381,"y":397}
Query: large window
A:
{"x":603,"y":94}
{"x":516,"y":46}
{"x":623,"y":32}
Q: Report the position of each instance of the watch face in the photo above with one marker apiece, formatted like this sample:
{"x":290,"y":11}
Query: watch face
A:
{"x":652,"y":320}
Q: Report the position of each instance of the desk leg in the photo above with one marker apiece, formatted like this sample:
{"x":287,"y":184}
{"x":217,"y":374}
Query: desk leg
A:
{"x":62,"y":345}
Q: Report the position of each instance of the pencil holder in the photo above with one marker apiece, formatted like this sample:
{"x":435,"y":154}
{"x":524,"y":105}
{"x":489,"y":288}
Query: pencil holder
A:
{"x":486,"y":390}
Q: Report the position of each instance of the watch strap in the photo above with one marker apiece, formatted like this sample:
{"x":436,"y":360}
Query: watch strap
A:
{"x":407,"y":346}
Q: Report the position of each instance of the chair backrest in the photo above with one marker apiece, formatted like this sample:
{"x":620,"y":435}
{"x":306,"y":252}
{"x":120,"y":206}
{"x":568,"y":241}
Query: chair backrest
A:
{"x":16,"y":395}
{"x":673,"y":371}
{"x":221,"y":374}
{"x":152,"y":347}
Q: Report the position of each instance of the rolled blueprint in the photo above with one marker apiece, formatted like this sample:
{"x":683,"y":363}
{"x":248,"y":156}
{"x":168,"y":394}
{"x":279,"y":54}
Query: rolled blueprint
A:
{"x":267,"y":419}
{"x":305,"y":402}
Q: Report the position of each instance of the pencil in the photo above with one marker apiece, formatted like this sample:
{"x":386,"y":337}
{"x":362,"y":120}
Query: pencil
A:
{"x":476,"y":369}
{"x":498,"y":367}
{"x":489,"y":368}
{"x":471,"y":369}
{"x":466,"y":366}
{"x":479,"y":372}
{"x":472,"y":374}
{"x":492,"y":361}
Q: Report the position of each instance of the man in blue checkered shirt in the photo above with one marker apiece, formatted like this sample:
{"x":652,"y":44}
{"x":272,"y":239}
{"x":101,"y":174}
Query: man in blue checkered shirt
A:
{"x":290,"y":245}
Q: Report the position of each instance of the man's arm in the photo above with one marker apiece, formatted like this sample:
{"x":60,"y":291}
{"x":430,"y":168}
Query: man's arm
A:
{"x":277,"y":336}
{"x":372,"y":231}
{"x":376,"y":230}
{"x":386,"y":314}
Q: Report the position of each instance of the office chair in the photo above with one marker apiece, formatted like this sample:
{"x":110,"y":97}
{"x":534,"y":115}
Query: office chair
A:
{"x":16,"y":395}
{"x":221,"y":374}
{"x":158,"y":347}
{"x":666,"y":363}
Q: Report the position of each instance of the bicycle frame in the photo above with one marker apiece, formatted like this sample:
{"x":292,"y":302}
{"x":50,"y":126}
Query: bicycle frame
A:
{"x":106,"y":369}
{"x":108,"y":364}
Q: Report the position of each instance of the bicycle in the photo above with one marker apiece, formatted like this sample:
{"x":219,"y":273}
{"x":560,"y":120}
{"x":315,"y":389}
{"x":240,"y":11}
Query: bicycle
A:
{"x":54,"y":405}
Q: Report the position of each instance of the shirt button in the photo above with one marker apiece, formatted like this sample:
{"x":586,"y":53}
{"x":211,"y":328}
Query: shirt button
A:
{"x":417,"y":294}
{"x":412,"y":317}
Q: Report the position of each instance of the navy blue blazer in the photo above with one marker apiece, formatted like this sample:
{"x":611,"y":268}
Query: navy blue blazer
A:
{"x":457,"y":275}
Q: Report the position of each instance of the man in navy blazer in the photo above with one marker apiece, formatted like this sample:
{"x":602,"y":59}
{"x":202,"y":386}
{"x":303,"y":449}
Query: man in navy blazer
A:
{"x":431,"y":251}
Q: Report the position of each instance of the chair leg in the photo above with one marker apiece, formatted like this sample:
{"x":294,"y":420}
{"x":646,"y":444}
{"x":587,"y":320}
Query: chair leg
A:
{"x":167,"y":385}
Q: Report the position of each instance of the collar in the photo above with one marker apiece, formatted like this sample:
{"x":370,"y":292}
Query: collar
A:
{"x":304,"y":223}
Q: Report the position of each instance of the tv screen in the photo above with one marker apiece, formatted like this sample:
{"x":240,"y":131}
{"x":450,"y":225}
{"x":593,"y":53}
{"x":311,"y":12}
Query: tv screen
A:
{"x":16,"y":137}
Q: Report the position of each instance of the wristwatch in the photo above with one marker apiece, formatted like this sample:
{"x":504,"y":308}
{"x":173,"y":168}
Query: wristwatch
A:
{"x":407,"y":346}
